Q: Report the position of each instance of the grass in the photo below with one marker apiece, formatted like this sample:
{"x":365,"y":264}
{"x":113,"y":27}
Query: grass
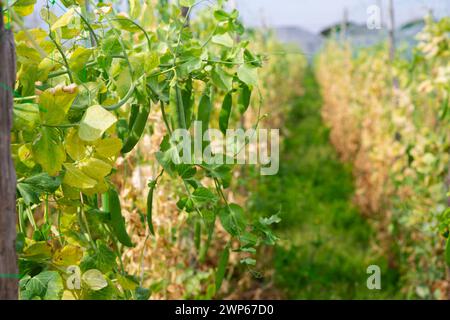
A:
{"x":325,"y":244}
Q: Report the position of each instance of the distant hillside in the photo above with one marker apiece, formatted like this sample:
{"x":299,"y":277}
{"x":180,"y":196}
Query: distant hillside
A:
{"x":358,"y":34}
{"x":361,"y":36}
{"x":309,"y":42}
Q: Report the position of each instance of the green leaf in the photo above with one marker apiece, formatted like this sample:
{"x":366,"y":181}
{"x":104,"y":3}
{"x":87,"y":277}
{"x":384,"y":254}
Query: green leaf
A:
{"x":191,"y":65}
{"x":104,"y":259}
{"x":44,"y":182}
{"x":225,"y":112}
{"x":47,"y":285}
{"x":29,"y":193}
{"x":142,"y":293}
{"x":165,"y":160}
{"x":221,"y":268}
{"x":95,"y":122}
{"x":232,"y":219}
{"x":186,"y":171}
{"x":271,"y":220}
{"x":223,"y":40}
{"x":48,"y":150}
{"x":221,"y":15}
{"x":111,"y":45}
{"x":55,"y":102}
{"x":248,"y":74}
{"x":221,"y":79}
{"x":202,"y":195}
{"x":221,"y":172}
{"x":94,"y":279}
{"x":107,"y":293}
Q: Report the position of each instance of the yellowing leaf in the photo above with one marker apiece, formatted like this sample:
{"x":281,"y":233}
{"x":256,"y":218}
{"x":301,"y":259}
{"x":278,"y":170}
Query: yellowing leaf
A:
{"x":26,"y":116}
{"x":100,"y":187}
{"x":104,"y":9}
{"x":76,"y":178}
{"x":48,"y":151}
{"x":38,"y":250}
{"x":187,"y":3}
{"x":109,"y":147}
{"x":95,"y":122}
{"x":94,"y":279}
{"x":123,"y":82}
{"x":75,"y":147}
{"x":45,"y":66}
{"x":24,"y":7}
{"x":79,"y":58}
{"x":68,"y":255}
{"x":37,"y":34}
{"x":68,"y":295}
{"x":125,"y":23}
{"x":126,"y":283}
{"x":56,"y":102}
{"x":64,"y":20}
{"x":135,"y":8}
{"x":151,"y":61}
{"x":95,"y":168}
{"x":26,"y":156}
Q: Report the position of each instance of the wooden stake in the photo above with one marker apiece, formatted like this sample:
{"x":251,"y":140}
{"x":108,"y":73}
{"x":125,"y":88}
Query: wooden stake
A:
{"x":8,"y":258}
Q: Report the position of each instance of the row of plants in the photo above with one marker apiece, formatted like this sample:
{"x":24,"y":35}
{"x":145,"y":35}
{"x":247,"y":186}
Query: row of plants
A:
{"x":173,"y":263}
{"x":390,"y":119}
{"x":103,"y":211}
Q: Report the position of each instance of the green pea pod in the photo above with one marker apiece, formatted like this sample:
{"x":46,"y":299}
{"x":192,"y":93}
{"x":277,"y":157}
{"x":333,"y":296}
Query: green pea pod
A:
{"x":133,"y":115}
{"x":198,"y":235}
{"x":225,"y":112}
{"x":187,"y":98}
{"x":138,"y":128}
{"x":152,"y":185}
{"x":181,"y":108}
{"x":204,"y":111}
{"x":176,"y":107}
{"x":111,"y":203}
{"x":222,"y":267}
{"x":244,"y":98}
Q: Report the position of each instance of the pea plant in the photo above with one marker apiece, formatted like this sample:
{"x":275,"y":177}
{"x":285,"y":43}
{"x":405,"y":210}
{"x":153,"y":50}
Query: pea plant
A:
{"x":86,"y":83}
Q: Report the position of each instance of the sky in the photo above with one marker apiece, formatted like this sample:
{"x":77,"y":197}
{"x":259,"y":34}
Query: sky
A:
{"x":315,"y":15}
